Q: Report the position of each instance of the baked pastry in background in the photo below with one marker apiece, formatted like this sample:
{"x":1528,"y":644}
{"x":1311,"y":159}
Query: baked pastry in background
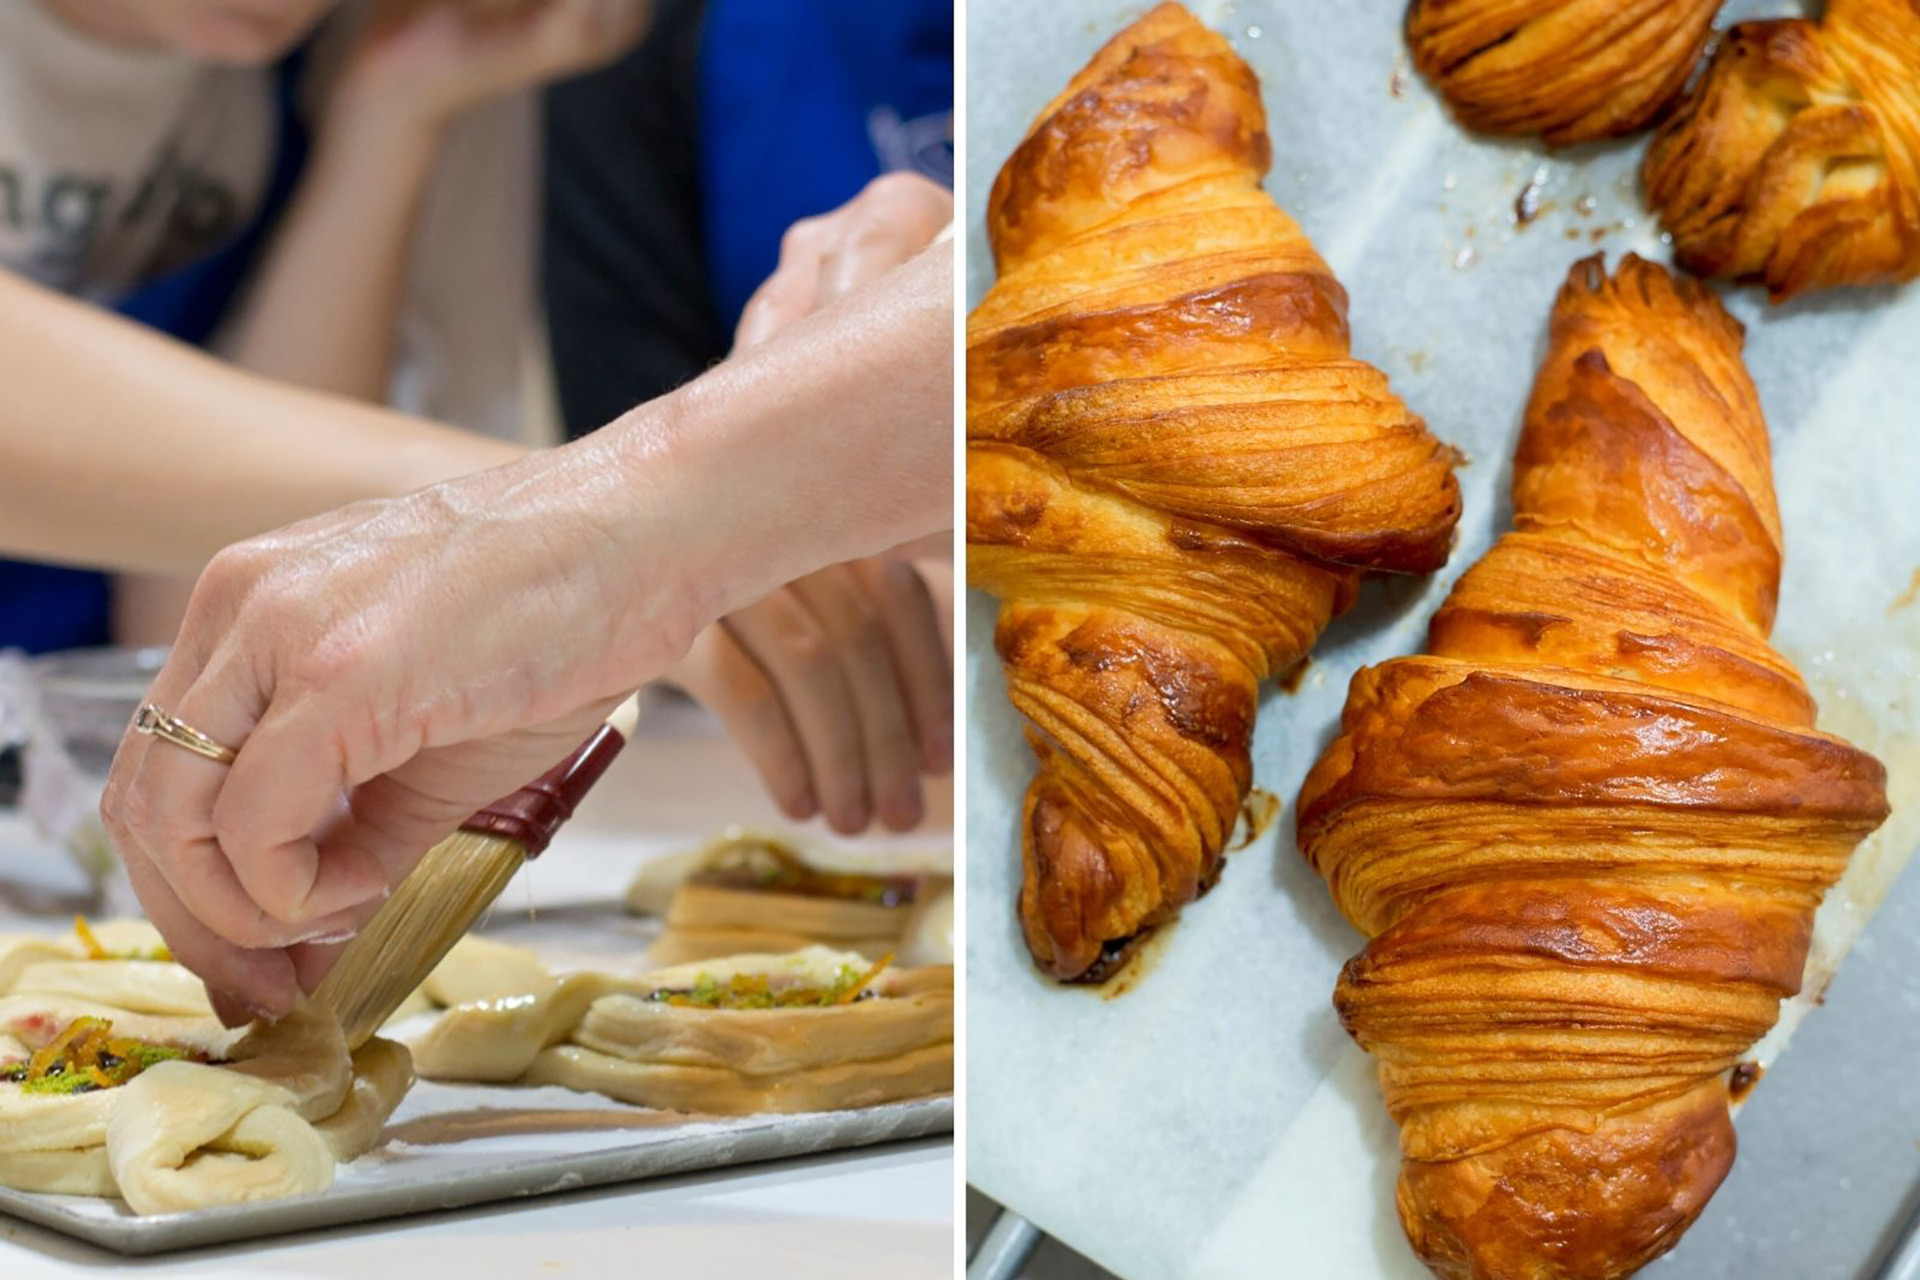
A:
{"x":1568,"y":70}
{"x":1176,"y":473}
{"x":1796,"y":160}
{"x":755,"y":893}
{"x":1587,"y":832}
{"x":816,"y":1030}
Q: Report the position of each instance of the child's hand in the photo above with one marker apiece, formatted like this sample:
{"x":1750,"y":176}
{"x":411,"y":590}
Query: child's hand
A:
{"x":839,"y":687}
{"x":430,"y":60}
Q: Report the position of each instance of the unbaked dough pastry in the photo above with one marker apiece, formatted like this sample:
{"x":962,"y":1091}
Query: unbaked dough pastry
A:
{"x":928,"y":935}
{"x":169,"y":1110}
{"x":1176,"y":473}
{"x":1796,"y":160}
{"x":1586,"y":833}
{"x":814,"y":1030}
{"x":1569,"y":70}
{"x":476,"y":968}
{"x":122,"y":963}
{"x":755,"y":894}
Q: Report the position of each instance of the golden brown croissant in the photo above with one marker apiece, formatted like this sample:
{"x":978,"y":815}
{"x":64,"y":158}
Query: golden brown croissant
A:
{"x":1174,"y":473}
{"x":1569,"y":70}
{"x":1587,"y":834}
{"x":1797,"y":158}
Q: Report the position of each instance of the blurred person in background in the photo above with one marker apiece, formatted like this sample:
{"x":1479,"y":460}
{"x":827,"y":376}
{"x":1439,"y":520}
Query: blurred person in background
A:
{"x":749,"y":161}
{"x":187,"y":164}
{"x":838,"y":686}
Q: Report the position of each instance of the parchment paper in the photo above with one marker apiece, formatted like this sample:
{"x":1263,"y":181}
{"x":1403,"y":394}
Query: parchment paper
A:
{"x":1216,"y":1121}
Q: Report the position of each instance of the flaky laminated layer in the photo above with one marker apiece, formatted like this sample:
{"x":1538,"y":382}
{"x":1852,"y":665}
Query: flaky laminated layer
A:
{"x":757,"y":893}
{"x":1796,"y":159}
{"x":1569,"y":70}
{"x":1587,"y":831}
{"x":125,"y":974}
{"x":1176,"y":471}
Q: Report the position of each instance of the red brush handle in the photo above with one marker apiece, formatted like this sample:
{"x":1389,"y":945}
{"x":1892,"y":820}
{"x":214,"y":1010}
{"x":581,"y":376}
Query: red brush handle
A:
{"x":531,"y":815}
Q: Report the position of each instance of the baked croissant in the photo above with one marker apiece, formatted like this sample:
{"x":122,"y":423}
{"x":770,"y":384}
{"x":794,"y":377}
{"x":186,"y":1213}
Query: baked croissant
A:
{"x":1586,"y":835}
{"x":1175,"y":472}
{"x":1569,"y":70}
{"x":1796,"y":160}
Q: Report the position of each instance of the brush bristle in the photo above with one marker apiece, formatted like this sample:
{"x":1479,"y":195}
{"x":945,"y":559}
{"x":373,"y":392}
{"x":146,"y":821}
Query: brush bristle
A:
{"x":456,"y":881}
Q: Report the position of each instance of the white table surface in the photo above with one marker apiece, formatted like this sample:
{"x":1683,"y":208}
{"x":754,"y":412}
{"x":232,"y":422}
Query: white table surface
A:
{"x":886,"y":1212}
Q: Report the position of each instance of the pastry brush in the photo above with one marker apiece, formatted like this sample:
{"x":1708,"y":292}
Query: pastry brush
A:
{"x":456,"y":881}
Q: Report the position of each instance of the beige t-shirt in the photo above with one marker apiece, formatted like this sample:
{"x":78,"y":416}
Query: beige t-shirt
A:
{"x":119,"y":167}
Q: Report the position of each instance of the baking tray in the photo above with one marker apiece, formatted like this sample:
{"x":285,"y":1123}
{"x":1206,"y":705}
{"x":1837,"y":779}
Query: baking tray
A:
{"x":1224,"y":1071}
{"x":452,"y":1146}
{"x":448,"y":1146}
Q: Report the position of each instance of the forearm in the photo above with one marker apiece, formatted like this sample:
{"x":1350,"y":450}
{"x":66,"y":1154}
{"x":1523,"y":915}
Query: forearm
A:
{"x":121,"y":449}
{"x":324,"y":309}
{"x":832,"y":442}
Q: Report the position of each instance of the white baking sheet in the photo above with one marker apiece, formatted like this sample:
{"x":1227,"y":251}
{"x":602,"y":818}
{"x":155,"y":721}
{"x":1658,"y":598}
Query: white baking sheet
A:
{"x":1216,"y":1121}
{"x":448,"y":1147}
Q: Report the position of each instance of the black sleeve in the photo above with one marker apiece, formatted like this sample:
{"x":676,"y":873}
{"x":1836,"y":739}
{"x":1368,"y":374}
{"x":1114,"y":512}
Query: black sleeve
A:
{"x":624,"y":271}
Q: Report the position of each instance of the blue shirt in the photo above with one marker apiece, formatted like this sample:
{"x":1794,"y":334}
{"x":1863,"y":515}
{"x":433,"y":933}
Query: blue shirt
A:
{"x":802,"y":103}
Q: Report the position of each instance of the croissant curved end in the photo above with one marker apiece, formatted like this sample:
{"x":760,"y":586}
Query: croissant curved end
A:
{"x":1564,"y":1205}
{"x":1796,"y":158}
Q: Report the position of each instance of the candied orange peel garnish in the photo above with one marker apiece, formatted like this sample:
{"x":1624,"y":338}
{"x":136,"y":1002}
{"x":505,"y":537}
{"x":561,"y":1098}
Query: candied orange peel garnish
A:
{"x":95,"y":951}
{"x":86,"y":1055}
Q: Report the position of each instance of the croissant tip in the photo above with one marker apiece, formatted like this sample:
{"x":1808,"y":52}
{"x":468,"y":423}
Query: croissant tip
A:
{"x":1646,"y":1175}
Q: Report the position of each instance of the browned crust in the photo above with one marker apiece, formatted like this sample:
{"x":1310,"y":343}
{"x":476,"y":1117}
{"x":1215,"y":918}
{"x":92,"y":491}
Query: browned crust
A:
{"x":1588,"y":835}
{"x":1569,"y":70}
{"x":1454,"y":733}
{"x":1175,"y":473}
{"x":1167,"y":91}
{"x":1562,"y":1204}
{"x":1120,"y":837}
{"x":1302,"y":310}
{"x":1796,"y":159}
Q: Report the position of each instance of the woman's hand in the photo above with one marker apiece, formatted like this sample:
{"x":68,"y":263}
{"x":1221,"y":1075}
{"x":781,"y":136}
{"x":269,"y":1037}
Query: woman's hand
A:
{"x":839,"y":688}
{"x":384,"y":671}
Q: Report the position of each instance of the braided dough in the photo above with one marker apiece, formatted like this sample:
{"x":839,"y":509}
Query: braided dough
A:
{"x":600,"y":1033}
{"x":1175,"y":474}
{"x":1569,"y":70}
{"x":1796,"y":160}
{"x":280,"y":1107}
{"x":1587,"y":832}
